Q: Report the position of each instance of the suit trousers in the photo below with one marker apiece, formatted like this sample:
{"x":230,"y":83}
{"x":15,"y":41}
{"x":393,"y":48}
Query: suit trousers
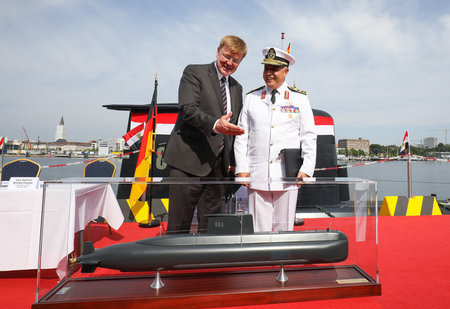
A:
{"x":272,"y":210}
{"x":185,"y":198}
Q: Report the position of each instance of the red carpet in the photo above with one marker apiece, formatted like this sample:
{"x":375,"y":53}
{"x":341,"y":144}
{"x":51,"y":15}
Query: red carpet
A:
{"x":413,"y":265}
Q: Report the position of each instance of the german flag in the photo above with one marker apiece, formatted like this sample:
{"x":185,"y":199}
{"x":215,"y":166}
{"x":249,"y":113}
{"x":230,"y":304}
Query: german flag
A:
{"x":144,"y":161}
{"x":288,"y":50}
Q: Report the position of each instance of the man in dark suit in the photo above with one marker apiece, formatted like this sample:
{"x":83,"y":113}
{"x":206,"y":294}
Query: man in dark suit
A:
{"x":200,"y":145}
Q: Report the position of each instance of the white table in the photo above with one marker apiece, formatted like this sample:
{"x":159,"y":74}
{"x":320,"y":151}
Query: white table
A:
{"x":68,"y":209}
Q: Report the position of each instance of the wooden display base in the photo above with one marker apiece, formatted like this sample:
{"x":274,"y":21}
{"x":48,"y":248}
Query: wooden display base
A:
{"x":211,"y":288}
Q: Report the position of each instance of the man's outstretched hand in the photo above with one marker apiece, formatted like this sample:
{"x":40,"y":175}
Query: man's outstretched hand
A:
{"x":225,"y":127}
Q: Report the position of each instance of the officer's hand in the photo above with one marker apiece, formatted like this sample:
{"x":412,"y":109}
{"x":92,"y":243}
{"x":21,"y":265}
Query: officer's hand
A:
{"x":244,"y":175}
{"x":301,"y":175}
{"x":225,"y":127}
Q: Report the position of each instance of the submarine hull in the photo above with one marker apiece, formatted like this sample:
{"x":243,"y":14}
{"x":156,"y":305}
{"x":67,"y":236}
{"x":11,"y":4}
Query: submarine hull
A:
{"x":203,"y":251}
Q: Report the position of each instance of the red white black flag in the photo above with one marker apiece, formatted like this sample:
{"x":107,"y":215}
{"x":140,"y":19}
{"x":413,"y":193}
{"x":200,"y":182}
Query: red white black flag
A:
{"x":1,"y":142}
{"x":405,"y":144}
{"x":134,"y":135}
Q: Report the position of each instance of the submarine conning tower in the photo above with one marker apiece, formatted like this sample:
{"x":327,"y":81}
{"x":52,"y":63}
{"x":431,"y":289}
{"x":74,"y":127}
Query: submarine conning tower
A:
{"x":326,"y":157}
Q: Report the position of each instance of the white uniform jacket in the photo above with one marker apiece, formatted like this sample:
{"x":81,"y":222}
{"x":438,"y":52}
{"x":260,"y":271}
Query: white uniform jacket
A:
{"x":269,"y":128}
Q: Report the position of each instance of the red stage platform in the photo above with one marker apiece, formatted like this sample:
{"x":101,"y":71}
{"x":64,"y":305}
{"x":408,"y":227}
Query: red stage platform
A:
{"x":413,"y":264}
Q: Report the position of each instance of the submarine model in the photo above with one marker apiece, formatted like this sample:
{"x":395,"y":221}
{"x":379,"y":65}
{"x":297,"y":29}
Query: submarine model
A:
{"x":187,"y":251}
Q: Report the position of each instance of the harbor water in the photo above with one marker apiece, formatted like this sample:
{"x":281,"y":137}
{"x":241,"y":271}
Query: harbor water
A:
{"x":428,"y":177}
{"x":75,"y":167}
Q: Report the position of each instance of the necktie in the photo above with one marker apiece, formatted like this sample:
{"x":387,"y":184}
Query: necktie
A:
{"x":272,"y":99}
{"x":224,"y":94}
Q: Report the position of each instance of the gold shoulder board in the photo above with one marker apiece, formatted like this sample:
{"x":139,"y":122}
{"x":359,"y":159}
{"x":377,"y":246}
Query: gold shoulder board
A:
{"x":297,"y":90}
{"x":255,"y":89}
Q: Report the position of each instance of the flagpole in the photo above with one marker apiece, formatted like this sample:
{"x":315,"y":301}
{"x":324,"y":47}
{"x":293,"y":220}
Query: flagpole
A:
{"x":409,"y":171}
{"x":154,"y":222}
{"x":3,"y":152}
{"x":150,"y":222}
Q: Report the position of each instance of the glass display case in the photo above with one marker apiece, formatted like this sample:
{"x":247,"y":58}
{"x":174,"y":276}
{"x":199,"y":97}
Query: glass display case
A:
{"x":97,"y":248}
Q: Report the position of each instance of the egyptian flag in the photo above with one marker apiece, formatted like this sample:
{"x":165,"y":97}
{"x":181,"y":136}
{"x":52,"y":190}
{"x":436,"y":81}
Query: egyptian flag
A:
{"x":405,"y":144}
{"x":324,"y":124}
{"x":144,"y":161}
{"x":134,"y":135}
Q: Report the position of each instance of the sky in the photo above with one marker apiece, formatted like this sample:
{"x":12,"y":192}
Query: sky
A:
{"x":378,"y":68}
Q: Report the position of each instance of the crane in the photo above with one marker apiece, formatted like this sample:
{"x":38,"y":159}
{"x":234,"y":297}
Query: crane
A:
{"x":29,"y":143}
{"x":445,"y":130}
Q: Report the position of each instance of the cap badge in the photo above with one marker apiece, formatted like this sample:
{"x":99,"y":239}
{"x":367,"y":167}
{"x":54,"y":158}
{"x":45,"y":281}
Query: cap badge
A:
{"x":271,"y":54}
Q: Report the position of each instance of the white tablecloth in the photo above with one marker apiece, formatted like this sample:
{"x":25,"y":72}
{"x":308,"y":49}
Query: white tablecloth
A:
{"x":68,"y":209}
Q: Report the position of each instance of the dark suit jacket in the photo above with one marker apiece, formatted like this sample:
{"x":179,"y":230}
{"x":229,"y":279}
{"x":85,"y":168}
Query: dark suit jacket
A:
{"x":192,"y":146}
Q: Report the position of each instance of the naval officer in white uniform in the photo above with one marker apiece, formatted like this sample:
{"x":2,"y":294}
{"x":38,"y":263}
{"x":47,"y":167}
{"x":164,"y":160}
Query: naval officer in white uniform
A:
{"x":274,"y":117}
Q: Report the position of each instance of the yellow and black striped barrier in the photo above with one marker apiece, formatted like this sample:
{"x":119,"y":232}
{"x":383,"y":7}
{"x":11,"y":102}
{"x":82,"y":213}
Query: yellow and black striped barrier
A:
{"x":414,"y":206}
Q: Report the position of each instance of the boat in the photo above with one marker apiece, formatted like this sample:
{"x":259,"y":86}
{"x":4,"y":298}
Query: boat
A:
{"x":446,"y":205}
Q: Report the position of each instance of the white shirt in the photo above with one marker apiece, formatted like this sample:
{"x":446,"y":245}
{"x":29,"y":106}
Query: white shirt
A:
{"x":227,"y":88}
{"x":269,"y":128}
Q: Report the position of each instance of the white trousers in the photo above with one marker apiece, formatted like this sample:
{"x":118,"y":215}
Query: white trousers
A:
{"x":272,"y":210}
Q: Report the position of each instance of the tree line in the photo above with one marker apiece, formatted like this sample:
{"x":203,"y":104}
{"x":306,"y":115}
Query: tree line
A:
{"x":393,"y":151}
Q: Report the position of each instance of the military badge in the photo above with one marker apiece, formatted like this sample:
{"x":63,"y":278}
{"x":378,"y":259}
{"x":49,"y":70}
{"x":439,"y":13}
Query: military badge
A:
{"x":290,"y":109}
{"x":263,"y":95}
{"x":286,"y":95}
{"x":271,"y":54}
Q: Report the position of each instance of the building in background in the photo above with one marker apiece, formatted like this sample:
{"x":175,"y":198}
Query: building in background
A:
{"x":430,"y":142}
{"x":60,"y":135}
{"x":357,"y":144}
{"x":101,"y":147}
{"x":62,"y":147}
{"x":106,"y":147}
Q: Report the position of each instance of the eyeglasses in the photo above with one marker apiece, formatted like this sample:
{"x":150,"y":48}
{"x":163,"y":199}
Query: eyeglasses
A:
{"x":228,"y":58}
